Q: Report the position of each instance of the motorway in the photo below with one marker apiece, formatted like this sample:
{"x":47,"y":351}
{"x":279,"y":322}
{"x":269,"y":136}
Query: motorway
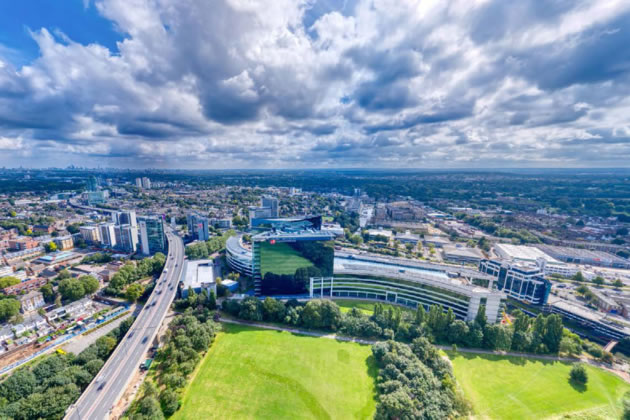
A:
{"x":104,"y":391}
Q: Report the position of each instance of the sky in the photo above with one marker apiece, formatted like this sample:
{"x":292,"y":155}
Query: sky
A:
{"x":315,"y":83}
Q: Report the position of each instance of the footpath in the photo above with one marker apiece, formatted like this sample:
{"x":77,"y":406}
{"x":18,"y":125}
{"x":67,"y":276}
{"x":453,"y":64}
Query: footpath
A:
{"x":332,"y":336}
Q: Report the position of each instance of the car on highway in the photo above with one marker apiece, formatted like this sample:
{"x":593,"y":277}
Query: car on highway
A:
{"x":145,"y":339}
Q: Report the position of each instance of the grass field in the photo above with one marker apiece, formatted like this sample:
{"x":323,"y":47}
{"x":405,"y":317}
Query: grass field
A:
{"x":367,"y":307}
{"x":280,"y":258}
{"x":253,"y":373}
{"x":519,"y":388}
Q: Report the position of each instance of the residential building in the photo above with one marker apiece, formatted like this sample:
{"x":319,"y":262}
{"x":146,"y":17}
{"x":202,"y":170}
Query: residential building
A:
{"x":127,"y":238}
{"x":25,"y":286}
{"x":64,"y":243}
{"x":139,"y":183}
{"x":272,"y":204}
{"x":108,"y":234}
{"x":23,"y":243}
{"x":31,"y":301}
{"x":152,"y":237}
{"x":198,"y":226}
{"x":90,"y":234}
{"x":125,"y":218}
{"x":146,"y":183}
{"x":14,"y":257}
{"x":48,"y":229}
{"x":5,"y":271}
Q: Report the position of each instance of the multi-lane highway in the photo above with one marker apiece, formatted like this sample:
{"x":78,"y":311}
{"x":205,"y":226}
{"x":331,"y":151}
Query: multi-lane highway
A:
{"x":108,"y":385}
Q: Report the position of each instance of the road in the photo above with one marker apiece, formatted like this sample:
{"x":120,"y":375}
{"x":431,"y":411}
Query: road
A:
{"x":108,"y":385}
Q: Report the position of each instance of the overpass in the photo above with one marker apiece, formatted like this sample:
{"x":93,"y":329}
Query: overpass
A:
{"x":107,"y":387}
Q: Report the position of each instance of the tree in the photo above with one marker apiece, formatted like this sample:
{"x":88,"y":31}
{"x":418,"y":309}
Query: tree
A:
{"x":8,"y":281}
{"x":90,"y":284}
{"x":626,"y":406}
{"x":582,"y":289}
{"x":149,"y":408}
{"x":420,"y":314}
{"x":480,"y":318}
{"x":497,"y":337}
{"x":251,"y":309}
{"x":212,"y":301}
{"x":321,"y":313}
{"x":578,"y":374}
{"x":618,"y":283}
{"x":48,"y":292}
{"x":8,"y":309}
{"x":578,"y":276}
{"x":599,"y":280}
{"x":169,"y":402}
{"x":71,"y":289}
{"x":553,"y":332}
{"x":273,"y":310}
{"x":133,"y":292}
{"x":50,"y":246}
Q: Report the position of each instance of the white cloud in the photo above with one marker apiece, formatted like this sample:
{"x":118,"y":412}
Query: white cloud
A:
{"x":380,"y":83}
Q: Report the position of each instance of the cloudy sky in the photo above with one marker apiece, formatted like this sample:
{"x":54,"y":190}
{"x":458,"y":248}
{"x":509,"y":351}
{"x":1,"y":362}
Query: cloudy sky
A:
{"x":316,"y":83}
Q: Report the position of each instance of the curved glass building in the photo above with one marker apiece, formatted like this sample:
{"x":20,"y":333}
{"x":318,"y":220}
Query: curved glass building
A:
{"x":238,"y":257}
{"x":407,"y":286}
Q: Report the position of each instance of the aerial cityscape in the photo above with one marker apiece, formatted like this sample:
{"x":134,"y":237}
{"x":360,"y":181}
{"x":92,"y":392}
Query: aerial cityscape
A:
{"x":358,"y":209}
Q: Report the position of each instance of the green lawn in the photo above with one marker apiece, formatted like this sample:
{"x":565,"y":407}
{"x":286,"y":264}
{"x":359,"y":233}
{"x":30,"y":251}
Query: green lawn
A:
{"x":366,"y":306}
{"x":253,"y":373}
{"x":519,"y":388}
{"x":280,"y":258}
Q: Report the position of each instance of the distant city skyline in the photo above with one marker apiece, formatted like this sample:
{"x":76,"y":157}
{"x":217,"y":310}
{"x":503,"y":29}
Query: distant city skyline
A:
{"x":192,"y":84}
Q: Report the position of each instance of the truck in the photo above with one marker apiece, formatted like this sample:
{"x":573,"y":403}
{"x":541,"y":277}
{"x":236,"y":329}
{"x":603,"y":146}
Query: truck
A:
{"x":146,"y":364}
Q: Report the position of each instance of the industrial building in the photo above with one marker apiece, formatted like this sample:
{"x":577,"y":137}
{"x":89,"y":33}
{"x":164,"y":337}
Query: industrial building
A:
{"x":530,"y":254}
{"x":584,"y":256}
{"x":199,"y":275}
{"x":462,"y":254}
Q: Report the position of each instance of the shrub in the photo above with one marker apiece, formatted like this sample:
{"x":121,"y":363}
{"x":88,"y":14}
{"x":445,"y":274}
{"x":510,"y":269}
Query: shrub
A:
{"x":578,"y":374}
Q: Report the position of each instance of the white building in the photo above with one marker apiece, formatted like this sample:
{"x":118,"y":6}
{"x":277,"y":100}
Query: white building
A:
{"x":108,"y":234}
{"x":146,"y":183}
{"x":199,"y":276}
{"x":91,"y":234}
{"x":31,"y":301}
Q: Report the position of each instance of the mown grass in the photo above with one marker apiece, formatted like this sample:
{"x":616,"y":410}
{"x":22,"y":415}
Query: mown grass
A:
{"x":365,"y":306}
{"x":519,"y":388}
{"x":254,"y":373}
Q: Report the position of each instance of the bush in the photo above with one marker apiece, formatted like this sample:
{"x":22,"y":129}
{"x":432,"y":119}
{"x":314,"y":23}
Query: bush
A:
{"x":578,"y":374}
